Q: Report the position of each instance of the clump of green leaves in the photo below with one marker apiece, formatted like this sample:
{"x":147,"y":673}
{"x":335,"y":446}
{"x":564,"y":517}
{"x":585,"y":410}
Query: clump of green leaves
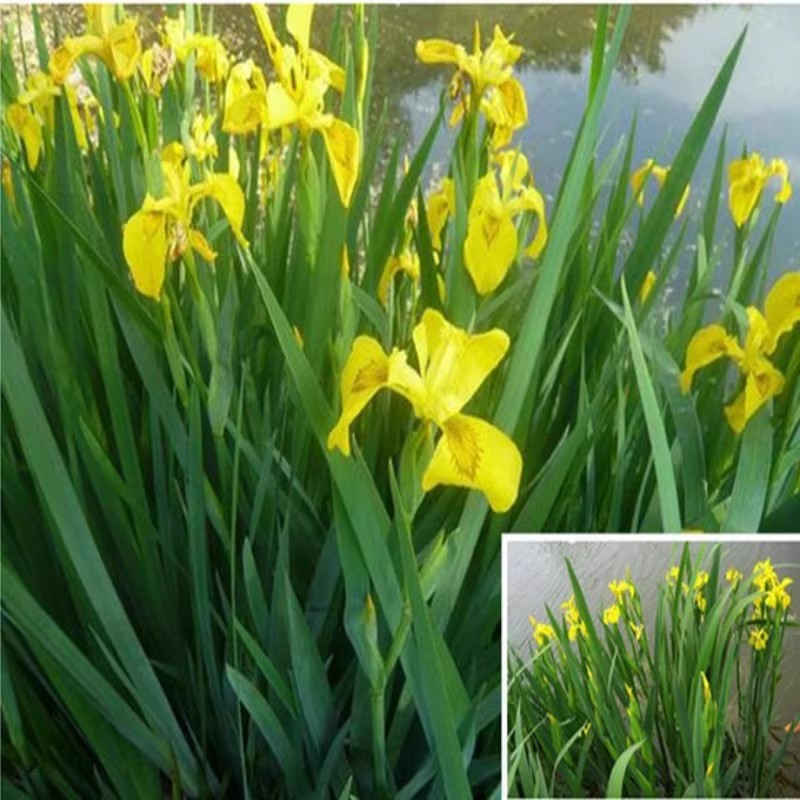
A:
{"x":679,"y":706}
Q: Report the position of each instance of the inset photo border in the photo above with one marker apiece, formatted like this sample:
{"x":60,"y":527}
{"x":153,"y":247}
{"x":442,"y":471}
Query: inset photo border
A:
{"x":656,"y":666}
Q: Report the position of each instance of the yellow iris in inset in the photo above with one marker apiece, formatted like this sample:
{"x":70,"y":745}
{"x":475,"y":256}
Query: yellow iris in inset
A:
{"x":162,"y":231}
{"x":650,"y":169}
{"x":576,"y":626}
{"x":117,"y":45}
{"x":542,"y":632}
{"x":733,"y":576}
{"x":453,"y":364}
{"x":762,"y":379}
{"x":747,"y":178}
{"x":777,"y":596}
{"x":758,"y":638}
{"x":492,"y":242}
{"x":298,"y":97}
{"x":620,"y":588}
{"x":611,"y":615}
{"x":492,"y":88}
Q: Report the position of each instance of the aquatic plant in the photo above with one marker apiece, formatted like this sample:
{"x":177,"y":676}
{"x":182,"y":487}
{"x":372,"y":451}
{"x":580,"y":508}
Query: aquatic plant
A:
{"x":675,"y":706}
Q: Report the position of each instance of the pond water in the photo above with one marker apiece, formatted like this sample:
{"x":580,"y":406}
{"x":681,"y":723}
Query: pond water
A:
{"x":537,"y":577}
{"x":669,"y":59}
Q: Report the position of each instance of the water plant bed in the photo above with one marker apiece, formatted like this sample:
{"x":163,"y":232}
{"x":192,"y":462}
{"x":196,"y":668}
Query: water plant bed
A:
{"x":610,"y":702}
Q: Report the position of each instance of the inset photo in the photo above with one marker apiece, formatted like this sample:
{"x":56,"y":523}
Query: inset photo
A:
{"x":655,"y":668}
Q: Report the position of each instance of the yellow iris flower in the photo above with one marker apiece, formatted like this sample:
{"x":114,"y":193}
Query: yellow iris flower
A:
{"x":161,"y":230}
{"x":650,"y":169}
{"x":747,"y":178}
{"x":32,"y":112}
{"x":453,"y":364}
{"x":620,"y":588}
{"x":611,"y":615}
{"x":733,"y":576}
{"x":297,"y":98}
{"x":542,"y":632}
{"x":499,"y":96}
{"x":245,"y":99}
{"x":117,"y":45}
{"x":758,"y":638}
{"x":637,"y":630}
{"x":491,"y":244}
{"x":576,"y":626}
{"x":762,"y":379}
{"x":777,"y":596}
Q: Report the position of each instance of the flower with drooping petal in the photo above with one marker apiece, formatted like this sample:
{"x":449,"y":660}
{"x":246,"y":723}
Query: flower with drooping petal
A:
{"x":161,"y":231}
{"x":453,"y":364}
{"x":492,"y":241}
{"x":777,"y":596}
{"x":484,"y":80}
{"x":297,"y":98}
{"x":117,"y":45}
{"x":650,"y":169}
{"x":762,"y":379}
{"x":747,"y":178}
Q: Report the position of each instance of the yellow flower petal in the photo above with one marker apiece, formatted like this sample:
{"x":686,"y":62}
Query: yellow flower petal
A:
{"x":282,"y":110}
{"x":760,"y":385}
{"x":638,"y":179}
{"x":707,"y":346}
{"x":298,"y":23}
{"x":475,"y":454}
{"x":268,"y":34}
{"x":439,"y":51}
{"x":454,"y":363}
{"x":782,"y":308}
{"x":71,"y":49}
{"x":200,"y":244}
{"x":343,"y":145}
{"x":746,"y":177}
{"x":364,"y":375}
{"x":125,"y":49}
{"x":531,"y":200}
{"x":440,"y":206}
{"x":144,"y":243}
{"x":779,"y":168}
{"x":28,"y":128}
{"x":489,"y":249}
{"x":647,"y":286}
{"x":224,"y":188}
